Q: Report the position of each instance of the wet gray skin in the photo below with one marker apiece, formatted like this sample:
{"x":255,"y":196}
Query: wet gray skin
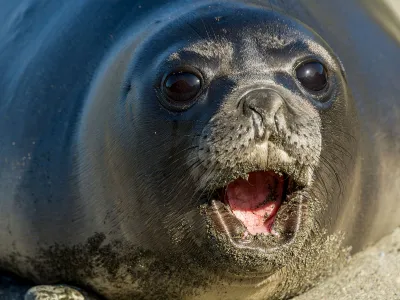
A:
{"x":111,"y":181}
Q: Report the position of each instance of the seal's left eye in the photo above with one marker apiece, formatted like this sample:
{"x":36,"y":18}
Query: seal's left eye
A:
{"x":312,"y":75}
{"x":181,"y":86}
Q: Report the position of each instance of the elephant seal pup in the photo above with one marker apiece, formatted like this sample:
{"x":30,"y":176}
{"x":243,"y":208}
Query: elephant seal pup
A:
{"x":187,"y":152}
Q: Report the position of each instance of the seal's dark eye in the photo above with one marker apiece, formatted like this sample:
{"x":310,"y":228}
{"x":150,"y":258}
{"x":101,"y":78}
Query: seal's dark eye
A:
{"x":312,"y":75}
{"x":181,"y":86}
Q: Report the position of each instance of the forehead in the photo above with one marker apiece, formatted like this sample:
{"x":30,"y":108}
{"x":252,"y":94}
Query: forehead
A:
{"x":268,"y":27}
{"x":250,"y":38}
{"x":263,"y":37}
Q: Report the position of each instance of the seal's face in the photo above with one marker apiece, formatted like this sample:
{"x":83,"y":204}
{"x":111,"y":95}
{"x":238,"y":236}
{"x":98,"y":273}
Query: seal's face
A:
{"x":241,"y":110}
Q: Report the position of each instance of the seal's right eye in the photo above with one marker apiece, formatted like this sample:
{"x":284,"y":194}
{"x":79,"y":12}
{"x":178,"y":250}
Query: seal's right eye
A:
{"x":181,"y":86}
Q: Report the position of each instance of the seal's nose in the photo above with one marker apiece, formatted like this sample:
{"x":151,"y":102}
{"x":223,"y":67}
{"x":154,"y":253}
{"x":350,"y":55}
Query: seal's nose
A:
{"x":262,"y":105}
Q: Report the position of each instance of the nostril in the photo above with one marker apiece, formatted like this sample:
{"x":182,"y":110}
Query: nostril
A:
{"x":255,"y":111}
{"x":247,"y":106}
{"x":264,"y":103}
{"x":258,"y":125}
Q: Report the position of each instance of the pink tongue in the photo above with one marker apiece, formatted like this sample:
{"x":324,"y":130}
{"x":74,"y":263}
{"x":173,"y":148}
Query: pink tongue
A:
{"x":256,"y":201}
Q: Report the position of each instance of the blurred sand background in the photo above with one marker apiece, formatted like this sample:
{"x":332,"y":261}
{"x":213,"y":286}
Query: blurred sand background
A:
{"x":373,"y":274}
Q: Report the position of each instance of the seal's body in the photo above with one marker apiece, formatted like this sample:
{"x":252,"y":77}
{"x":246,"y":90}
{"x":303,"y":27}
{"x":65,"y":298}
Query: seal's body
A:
{"x":194,"y":150}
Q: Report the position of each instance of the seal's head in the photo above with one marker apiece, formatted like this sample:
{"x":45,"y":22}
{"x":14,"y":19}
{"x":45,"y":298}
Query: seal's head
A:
{"x":231,"y":141}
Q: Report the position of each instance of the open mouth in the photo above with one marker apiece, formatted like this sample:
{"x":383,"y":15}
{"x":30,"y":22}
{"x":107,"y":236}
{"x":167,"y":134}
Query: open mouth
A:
{"x":254,"y":206}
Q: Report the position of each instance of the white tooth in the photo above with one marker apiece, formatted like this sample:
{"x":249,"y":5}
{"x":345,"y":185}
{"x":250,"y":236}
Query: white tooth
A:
{"x":275,"y":233}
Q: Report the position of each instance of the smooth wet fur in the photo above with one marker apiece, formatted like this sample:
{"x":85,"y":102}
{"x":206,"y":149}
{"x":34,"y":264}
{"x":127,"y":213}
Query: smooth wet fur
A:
{"x":105,"y":185}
